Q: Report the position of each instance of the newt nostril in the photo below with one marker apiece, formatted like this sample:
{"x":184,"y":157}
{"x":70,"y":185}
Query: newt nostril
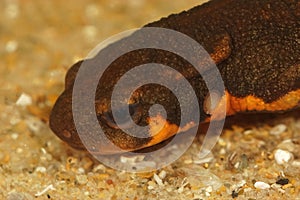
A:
{"x":125,"y":122}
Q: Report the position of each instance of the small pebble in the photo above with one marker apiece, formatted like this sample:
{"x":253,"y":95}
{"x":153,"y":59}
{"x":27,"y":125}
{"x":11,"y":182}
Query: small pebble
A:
{"x":162,"y":174}
{"x":282,"y":156}
{"x":11,"y":46}
{"x":222,"y":151}
{"x":236,"y":165}
{"x":89,"y":32}
{"x":188,"y":161}
{"x":234,"y":194}
{"x":282,"y":181}
{"x":19,"y":150}
{"x":14,"y":136}
{"x":34,"y":125}
{"x":261,"y":185}
{"x":81,"y":179}
{"x":207,"y":194}
{"x":169,"y":189}
{"x":222,"y":142}
{"x":277,"y":130}
{"x":14,"y":120}
{"x":24,"y":100}
{"x":287,"y":186}
{"x":287,"y":145}
{"x":296,"y":163}
{"x":99,"y":168}
{"x":157,"y":180}
{"x":151,"y":185}
{"x":40,"y":169}
{"x":209,"y":189}
{"x":248,"y":132}
{"x":80,"y":170}
{"x":43,"y":150}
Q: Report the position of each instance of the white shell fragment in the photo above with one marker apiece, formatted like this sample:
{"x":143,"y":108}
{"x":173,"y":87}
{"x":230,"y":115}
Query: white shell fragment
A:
{"x":282,"y":156}
{"x":49,"y":187}
{"x":158,"y":180}
{"x":41,"y":169}
{"x":279,"y":129}
{"x":261,"y":185}
{"x":11,"y":46}
{"x":24,"y":100}
{"x":162,"y":174}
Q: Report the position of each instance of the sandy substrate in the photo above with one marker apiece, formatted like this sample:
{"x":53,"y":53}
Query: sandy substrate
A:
{"x":257,"y":156}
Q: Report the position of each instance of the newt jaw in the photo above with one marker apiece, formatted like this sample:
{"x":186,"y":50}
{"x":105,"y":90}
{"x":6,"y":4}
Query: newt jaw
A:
{"x":160,"y":130}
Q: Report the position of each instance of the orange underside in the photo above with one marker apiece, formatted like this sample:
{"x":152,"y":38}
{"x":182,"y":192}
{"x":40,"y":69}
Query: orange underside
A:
{"x":161,"y":130}
{"x":251,"y":103}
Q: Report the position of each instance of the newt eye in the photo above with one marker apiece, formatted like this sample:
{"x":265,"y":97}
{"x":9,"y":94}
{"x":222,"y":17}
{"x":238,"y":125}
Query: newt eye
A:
{"x":135,"y":115}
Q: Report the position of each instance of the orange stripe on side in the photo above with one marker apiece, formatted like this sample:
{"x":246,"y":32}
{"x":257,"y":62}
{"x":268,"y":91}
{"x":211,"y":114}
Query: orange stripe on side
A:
{"x":251,"y":103}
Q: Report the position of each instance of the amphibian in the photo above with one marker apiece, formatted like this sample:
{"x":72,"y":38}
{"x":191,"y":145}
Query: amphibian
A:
{"x":254,"y":43}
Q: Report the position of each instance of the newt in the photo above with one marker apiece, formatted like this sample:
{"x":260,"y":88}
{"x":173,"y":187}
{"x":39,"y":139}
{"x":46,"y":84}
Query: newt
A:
{"x":255,"y":45}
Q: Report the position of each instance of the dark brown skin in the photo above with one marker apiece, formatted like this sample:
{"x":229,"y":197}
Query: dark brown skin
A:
{"x":255,"y":44}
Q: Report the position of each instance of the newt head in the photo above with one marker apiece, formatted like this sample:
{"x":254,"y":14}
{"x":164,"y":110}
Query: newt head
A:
{"x":155,"y":110}
{"x":174,"y":84}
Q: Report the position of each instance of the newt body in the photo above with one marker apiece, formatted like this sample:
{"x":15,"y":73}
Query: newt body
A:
{"x":254,"y":43}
